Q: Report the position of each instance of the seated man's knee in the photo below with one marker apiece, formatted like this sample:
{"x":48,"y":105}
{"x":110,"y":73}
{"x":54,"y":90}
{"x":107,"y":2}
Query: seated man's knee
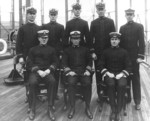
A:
{"x":109,"y":81}
{"x":50,"y":79}
{"x":33,"y":80}
{"x":86,"y":80}
{"x":71,"y":80}
{"x":122,"y":82}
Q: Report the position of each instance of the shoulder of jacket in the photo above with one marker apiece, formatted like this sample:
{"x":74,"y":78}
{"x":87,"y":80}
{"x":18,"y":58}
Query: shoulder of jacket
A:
{"x":95,"y":20}
{"x":138,"y":24}
{"x":83,"y":20}
{"x":107,"y":50}
{"x":123,"y":26}
{"x":60,"y":25}
{"x":34,"y":48}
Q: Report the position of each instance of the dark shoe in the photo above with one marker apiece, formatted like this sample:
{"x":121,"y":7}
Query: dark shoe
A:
{"x":137,"y":107}
{"x":128,"y":94}
{"x":51,"y":114}
{"x":88,"y":113}
{"x":31,"y":115}
{"x":71,"y":113}
{"x":118,"y":117}
{"x":112,"y":116}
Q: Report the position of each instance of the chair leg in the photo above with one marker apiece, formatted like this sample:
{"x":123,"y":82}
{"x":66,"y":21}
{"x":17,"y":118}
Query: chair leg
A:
{"x":27,"y":93}
{"x":26,"y":75}
{"x":125,"y":105}
{"x":101,"y":100}
{"x":65,"y":99}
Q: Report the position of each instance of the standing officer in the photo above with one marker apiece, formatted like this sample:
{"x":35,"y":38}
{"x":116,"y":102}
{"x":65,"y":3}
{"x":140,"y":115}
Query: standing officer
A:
{"x":132,"y":40}
{"x":77,"y":24}
{"x":27,"y":37}
{"x":77,"y":64}
{"x":27,"y":34}
{"x":99,"y":30}
{"x":42,"y":62}
{"x":115,"y":67}
{"x":56,"y":32}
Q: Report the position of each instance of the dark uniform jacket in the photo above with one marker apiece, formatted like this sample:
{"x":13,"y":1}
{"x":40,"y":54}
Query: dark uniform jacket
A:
{"x":42,"y":57}
{"x":56,"y":32}
{"x":115,"y":60}
{"x":77,"y":59}
{"x":77,"y":24}
{"x":27,"y":38}
{"x":132,"y":39}
{"x":99,"y":30}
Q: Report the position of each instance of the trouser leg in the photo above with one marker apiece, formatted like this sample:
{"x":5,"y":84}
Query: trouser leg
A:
{"x":33,"y":82}
{"x":129,"y":79}
{"x":50,"y":82}
{"x":111,"y":92}
{"x":136,"y":86}
{"x":72,"y":80}
{"x":121,"y":85}
{"x":57,"y":83}
{"x":98,"y":76}
{"x":98,"y":80}
{"x":87,"y":89}
{"x":26,"y":82}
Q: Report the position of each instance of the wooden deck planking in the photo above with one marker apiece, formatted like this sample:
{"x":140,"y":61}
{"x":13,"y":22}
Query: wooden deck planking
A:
{"x":145,"y":94}
{"x":13,"y":108}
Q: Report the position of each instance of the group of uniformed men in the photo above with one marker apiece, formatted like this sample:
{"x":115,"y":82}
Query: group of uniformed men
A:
{"x":44,"y":47}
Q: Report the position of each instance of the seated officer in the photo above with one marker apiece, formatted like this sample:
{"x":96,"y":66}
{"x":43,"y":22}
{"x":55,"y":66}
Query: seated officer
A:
{"x":42,"y":62}
{"x":115,"y":67}
{"x":77,"y":64}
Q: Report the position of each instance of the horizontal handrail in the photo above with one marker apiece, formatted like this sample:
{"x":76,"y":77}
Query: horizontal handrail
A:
{"x":144,"y":55}
{"x":145,"y":63}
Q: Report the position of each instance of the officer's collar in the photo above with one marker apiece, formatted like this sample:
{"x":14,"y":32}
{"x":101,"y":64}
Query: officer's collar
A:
{"x":101,"y":17}
{"x":75,"y":46}
{"x":115,"y":46}
{"x":130,"y":22}
{"x":41,"y":45}
{"x":76,"y":17}
{"x":31,"y":22}
{"x":52,"y":22}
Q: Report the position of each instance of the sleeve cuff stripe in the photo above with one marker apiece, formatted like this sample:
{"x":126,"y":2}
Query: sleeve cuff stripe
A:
{"x":125,"y":72}
{"x":67,"y":69}
{"x":103,"y":70}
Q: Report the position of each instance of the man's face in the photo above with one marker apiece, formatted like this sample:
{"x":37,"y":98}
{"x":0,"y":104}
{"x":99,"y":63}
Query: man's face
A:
{"x":75,"y":41}
{"x":77,"y":12}
{"x":52,"y":17}
{"x":101,"y":12}
{"x":114,"y":42}
{"x":31,"y":17}
{"x":43,"y":40}
{"x":129,"y":16}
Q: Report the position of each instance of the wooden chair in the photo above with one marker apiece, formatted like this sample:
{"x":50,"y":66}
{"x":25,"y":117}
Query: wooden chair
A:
{"x":104,"y":97}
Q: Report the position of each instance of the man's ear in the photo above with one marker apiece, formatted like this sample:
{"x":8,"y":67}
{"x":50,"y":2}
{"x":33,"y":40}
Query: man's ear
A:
{"x":39,"y":38}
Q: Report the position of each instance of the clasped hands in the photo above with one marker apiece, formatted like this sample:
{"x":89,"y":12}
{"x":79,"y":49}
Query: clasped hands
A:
{"x":118,"y":76}
{"x":43,"y":73}
{"x":72,"y":73}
